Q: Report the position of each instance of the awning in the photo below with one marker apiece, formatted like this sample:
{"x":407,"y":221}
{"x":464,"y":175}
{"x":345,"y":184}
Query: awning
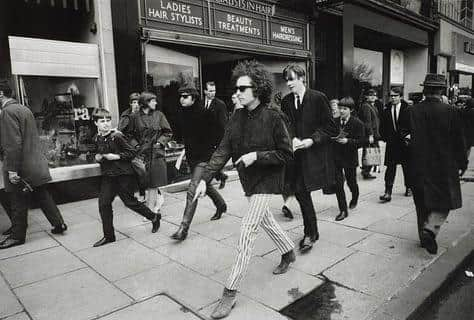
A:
{"x":65,"y":4}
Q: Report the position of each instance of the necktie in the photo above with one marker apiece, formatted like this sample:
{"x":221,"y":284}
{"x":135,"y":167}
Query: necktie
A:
{"x":343,"y":123}
{"x":395,"y":117}
{"x":208,"y":104}
{"x":298,"y":102}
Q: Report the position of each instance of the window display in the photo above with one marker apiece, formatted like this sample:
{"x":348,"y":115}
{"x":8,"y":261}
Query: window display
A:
{"x":62,"y":108}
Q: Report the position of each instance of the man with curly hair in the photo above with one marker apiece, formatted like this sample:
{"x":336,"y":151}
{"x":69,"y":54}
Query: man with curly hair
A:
{"x":258,"y":142}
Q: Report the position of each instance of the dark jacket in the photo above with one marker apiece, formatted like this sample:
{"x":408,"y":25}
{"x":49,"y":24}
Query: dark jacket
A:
{"x":115,"y":142}
{"x":468,"y":121}
{"x":314,"y":121}
{"x":369,"y":115}
{"x":438,"y":151}
{"x":20,"y":146}
{"x":346,"y":154}
{"x":217,"y":118}
{"x":199,"y":144}
{"x":396,"y":150}
{"x":260,"y":130}
{"x":123,"y":126}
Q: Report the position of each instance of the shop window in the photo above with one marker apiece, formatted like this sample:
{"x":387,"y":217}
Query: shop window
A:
{"x":367,"y":72}
{"x":63,"y":111}
{"x":465,"y":84}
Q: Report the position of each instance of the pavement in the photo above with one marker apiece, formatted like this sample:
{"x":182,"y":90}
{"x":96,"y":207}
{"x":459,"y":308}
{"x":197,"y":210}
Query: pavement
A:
{"x":372,"y":258}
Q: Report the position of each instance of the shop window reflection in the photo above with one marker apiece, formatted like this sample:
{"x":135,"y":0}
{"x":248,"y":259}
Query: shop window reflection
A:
{"x":62,"y":108}
{"x":367,"y":72}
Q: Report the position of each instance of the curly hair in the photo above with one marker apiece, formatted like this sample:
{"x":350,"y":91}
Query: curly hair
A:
{"x":260,"y":77}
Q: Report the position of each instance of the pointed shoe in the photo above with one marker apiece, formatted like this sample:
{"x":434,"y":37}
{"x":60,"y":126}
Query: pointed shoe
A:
{"x":180,"y":234}
{"x":342,"y":215}
{"x":286,"y":260}
{"x":156,"y":223}
{"x":225,"y":305}
{"x":219,"y":213}
{"x":103,"y":241}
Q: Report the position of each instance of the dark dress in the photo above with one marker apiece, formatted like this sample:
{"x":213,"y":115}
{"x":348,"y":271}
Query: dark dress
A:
{"x":152,"y":131}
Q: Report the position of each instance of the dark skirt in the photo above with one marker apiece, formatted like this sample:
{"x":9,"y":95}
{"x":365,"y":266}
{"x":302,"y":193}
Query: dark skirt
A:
{"x":156,"y":169}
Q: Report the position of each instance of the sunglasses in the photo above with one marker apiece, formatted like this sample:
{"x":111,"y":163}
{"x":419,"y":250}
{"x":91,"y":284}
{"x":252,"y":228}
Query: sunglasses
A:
{"x":394,"y":95}
{"x":184,"y":96}
{"x":290,"y":79}
{"x":243,"y":88}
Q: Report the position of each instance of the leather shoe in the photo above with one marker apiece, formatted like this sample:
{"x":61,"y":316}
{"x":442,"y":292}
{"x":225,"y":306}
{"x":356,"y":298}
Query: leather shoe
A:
{"x":368,"y":176}
{"x":407,"y":192}
{"x":219,"y":213}
{"x":225,"y":305}
{"x":223,"y":181}
{"x":342,"y":215}
{"x":428,"y":241}
{"x":287,"y":212}
{"x":306,"y":244}
{"x":386,"y":197}
{"x":59,"y":229}
{"x":10,"y":242}
{"x":156,"y":223}
{"x":353,"y":204}
{"x":7,"y":232}
{"x":180,"y":234}
{"x":286,"y":260}
{"x":103,"y":241}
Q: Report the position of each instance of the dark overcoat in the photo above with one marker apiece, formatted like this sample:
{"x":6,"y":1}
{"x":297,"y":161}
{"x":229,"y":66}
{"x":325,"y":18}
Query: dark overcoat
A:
{"x":346,"y":154}
{"x":438,"y":150}
{"x":217,"y":118}
{"x":316,"y":123}
{"x":369,"y":115}
{"x":21,"y":147}
{"x":396,"y":150}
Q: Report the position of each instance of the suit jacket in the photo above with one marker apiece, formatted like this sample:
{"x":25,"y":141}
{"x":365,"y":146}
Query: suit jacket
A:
{"x":20,"y":145}
{"x":396,"y":150}
{"x":346,"y":154}
{"x":315,"y":122}
{"x":438,"y":149}
{"x":217,"y":117}
{"x":369,"y":115}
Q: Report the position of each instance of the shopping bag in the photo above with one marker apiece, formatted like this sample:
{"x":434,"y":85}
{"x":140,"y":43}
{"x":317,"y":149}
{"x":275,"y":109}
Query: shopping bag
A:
{"x":372,"y":157}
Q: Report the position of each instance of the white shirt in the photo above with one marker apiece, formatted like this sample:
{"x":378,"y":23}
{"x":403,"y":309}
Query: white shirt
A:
{"x":208,"y":103}
{"x":300,"y":97}
{"x":397,"y":111}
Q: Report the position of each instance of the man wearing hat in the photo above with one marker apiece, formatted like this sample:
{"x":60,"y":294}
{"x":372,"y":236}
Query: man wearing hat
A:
{"x":369,"y":115}
{"x":439,"y":159}
{"x":25,"y":169}
{"x":199,"y":146}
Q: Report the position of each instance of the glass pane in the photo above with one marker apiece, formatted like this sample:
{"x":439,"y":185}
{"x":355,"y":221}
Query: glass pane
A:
{"x":367,"y":71}
{"x":465,"y":84}
{"x":62,"y":108}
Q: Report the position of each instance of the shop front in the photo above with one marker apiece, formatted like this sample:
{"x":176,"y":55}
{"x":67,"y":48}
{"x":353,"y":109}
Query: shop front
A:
{"x":199,"y":41}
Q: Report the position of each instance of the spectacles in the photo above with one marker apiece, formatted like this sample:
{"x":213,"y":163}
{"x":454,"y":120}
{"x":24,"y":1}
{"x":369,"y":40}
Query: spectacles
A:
{"x":290,"y":79}
{"x":394,"y":95}
{"x":184,"y":96}
{"x":243,"y":88}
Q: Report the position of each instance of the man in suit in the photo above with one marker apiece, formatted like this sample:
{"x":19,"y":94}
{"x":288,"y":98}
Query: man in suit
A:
{"x":25,"y":169}
{"x":350,"y":138}
{"x":437,"y":143}
{"x":216,"y":110}
{"x":394,"y":125}
{"x":311,"y":127}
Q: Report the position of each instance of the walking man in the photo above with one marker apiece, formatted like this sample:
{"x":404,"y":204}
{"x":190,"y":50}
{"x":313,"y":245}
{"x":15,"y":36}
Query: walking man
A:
{"x":439,"y":159}
{"x":216,"y":111}
{"x":258,"y":142}
{"x":394,"y":124}
{"x":25,"y":169}
{"x":311,"y":127}
{"x":369,"y":115}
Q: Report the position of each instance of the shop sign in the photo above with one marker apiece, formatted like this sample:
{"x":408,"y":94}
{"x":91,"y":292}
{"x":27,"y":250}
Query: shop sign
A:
{"x":249,"y":5}
{"x":469,"y":47}
{"x":285,"y":33}
{"x":239,"y":24}
{"x":175,"y":12}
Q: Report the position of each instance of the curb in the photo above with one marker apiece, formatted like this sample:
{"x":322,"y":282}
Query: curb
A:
{"x":416,"y":297}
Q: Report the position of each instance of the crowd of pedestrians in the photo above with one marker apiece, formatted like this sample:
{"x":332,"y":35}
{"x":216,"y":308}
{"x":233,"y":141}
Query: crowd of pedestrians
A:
{"x":307,"y":143}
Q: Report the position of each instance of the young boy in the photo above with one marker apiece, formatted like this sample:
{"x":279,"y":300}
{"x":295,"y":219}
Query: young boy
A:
{"x":346,"y":144}
{"x":114,"y":154}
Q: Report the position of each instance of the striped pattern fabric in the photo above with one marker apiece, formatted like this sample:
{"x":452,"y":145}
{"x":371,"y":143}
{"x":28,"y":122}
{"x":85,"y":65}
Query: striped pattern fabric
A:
{"x":258,"y":214}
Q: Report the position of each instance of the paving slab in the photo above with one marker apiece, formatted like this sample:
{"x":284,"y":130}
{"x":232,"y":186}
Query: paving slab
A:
{"x":276,"y":292}
{"x":381,"y":276}
{"x":18,"y":316}
{"x":336,"y":233}
{"x":192,"y":288}
{"x":71,"y":218}
{"x":129,"y":219}
{"x":219,"y":229}
{"x":262,"y":245}
{"x":200,"y":254}
{"x":10,"y":304}
{"x":160,"y":307}
{"x":121,"y":259}
{"x":77,"y":295}
{"x":143,"y":235}
{"x":34,"y":242}
{"x":38,"y":265}
{"x":397,"y":228}
{"x":174,"y":214}
{"x":247,"y":308}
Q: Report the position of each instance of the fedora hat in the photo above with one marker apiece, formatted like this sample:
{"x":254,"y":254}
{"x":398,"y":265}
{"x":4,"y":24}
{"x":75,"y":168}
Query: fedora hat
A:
{"x":434,"y":80}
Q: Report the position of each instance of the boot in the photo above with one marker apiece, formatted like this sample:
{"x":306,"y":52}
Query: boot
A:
{"x":219,"y":212}
{"x":181,"y":233}
{"x":428,"y":241}
{"x":408,"y":192}
{"x":225,"y":305}
{"x":156,"y":223}
{"x":59,"y":229}
{"x":386,"y":197}
{"x":286,"y":259}
{"x":342,"y":215}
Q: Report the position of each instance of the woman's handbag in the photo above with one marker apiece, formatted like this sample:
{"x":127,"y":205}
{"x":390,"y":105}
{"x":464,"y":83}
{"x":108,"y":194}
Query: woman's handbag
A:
{"x":372,"y":157}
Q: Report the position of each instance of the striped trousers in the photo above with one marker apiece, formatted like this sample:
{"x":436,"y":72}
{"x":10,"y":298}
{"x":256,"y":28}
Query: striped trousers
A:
{"x":258,"y":214}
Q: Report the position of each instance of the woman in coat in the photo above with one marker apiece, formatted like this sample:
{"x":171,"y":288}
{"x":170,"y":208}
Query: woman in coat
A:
{"x":152,"y":131}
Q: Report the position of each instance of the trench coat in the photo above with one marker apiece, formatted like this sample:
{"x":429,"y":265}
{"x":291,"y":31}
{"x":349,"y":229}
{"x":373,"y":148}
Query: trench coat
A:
{"x":20,"y":146}
{"x":438,"y":152}
{"x":317,"y":123}
{"x":396,"y":150}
